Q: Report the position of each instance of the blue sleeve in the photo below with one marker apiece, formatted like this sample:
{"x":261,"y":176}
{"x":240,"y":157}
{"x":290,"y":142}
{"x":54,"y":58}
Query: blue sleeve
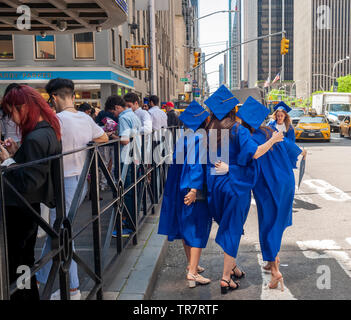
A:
{"x":247,"y":146}
{"x":193,"y":173}
{"x":124,"y":128}
{"x":291,"y":134}
{"x":293,"y":151}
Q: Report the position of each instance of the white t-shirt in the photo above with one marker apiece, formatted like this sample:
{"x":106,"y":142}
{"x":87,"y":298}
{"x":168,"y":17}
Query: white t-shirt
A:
{"x":77,"y":130}
{"x":281,"y":127}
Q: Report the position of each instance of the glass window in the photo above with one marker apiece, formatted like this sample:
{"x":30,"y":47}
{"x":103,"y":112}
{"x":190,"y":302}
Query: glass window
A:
{"x":6,"y":47}
{"x":313,"y":120}
{"x":84,"y":46}
{"x":113,"y":44}
{"x":45,"y":47}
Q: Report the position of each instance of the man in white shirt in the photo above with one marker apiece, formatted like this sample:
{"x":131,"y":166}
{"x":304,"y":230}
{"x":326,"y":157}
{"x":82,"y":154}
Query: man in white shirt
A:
{"x":77,"y":129}
{"x":159,"y":118}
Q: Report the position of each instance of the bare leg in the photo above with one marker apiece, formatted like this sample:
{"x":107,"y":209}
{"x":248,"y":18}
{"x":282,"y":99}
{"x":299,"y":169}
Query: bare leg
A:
{"x":268,"y":266}
{"x":276,"y":276}
{"x":187,"y":251}
{"x":195,"y":254}
{"x":228,"y":265}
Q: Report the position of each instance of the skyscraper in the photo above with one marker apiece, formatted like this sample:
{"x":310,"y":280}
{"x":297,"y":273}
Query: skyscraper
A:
{"x":256,"y":24}
{"x":235,"y":54}
{"x":323,"y":37}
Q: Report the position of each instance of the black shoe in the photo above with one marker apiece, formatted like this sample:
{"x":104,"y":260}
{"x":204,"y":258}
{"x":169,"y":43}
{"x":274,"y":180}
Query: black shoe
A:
{"x":234,"y":276}
{"x":226,"y":289}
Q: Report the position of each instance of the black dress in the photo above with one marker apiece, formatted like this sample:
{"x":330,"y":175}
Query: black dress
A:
{"x":35,"y":183}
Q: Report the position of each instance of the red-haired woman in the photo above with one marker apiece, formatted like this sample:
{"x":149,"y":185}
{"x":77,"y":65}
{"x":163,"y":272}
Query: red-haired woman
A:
{"x":40,"y":130}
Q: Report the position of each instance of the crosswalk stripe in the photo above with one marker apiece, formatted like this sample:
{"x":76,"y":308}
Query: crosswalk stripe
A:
{"x":271,"y":294}
{"x":330,"y":251}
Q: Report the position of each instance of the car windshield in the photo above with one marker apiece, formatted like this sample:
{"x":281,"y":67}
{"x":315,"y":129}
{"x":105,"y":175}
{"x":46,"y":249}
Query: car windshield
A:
{"x":313,"y":120}
{"x":339,"y":107}
{"x":295,"y":113}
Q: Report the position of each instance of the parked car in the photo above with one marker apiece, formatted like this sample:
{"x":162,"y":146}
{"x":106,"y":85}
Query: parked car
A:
{"x":313,"y":128}
{"x":345,"y":127}
{"x":295,"y":115}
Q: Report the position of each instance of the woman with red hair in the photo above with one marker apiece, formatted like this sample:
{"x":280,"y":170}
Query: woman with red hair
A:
{"x":41,"y":136}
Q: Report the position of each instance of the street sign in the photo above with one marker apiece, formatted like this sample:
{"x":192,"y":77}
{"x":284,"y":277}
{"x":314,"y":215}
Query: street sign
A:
{"x":184,"y":79}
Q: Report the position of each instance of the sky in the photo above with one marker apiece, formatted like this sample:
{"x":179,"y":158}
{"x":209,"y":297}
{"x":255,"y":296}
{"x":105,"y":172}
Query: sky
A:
{"x":213,"y":30}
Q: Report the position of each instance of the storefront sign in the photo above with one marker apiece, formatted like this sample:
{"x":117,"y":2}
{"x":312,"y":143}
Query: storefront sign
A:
{"x":7,"y":76}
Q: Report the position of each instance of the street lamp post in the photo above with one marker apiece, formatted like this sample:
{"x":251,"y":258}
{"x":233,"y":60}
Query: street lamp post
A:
{"x":221,"y":11}
{"x":339,"y":62}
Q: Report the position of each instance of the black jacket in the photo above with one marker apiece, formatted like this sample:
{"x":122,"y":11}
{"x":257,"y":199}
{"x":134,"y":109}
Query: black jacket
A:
{"x":34,"y":183}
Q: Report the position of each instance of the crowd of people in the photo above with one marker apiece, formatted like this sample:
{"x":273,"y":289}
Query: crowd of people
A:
{"x":260,"y":161}
{"x":34,"y":129}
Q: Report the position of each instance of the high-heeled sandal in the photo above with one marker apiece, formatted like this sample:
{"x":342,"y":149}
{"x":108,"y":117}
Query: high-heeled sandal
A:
{"x":226,"y":289}
{"x":274,"y":284}
{"x":196,"y":279}
{"x":199,"y":269}
{"x":234,"y":276}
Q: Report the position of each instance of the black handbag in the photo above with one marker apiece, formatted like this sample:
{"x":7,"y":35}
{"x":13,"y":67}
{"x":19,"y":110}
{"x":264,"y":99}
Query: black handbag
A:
{"x":201,"y":195}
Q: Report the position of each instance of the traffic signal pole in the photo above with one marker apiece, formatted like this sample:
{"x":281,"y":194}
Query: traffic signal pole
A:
{"x":238,"y":45}
{"x":153,"y":71}
{"x":282,"y":75}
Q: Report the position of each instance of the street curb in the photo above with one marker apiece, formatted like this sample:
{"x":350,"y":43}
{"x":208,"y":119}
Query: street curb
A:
{"x":142,"y":278}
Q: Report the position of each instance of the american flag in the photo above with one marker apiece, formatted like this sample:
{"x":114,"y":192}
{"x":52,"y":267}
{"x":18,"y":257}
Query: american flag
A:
{"x":277,"y":78}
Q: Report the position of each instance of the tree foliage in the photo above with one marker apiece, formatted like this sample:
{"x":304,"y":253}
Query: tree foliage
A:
{"x":344,"y":84}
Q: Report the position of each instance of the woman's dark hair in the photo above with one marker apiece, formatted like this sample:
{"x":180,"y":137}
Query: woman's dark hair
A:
{"x":113,"y":101}
{"x":84,"y":107}
{"x":92,"y":111}
{"x":226,"y":123}
{"x":22,"y":95}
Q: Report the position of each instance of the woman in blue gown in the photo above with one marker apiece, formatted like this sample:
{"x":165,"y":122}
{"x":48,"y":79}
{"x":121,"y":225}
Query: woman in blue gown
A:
{"x":282,"y":122}
{"x":183,"y":215}
{"x":229,"y":186}
{"x":274,"y":194}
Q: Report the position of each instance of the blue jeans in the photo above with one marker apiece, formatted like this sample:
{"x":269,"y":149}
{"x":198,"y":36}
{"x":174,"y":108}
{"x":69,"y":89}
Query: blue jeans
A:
{"x":70,"y":189}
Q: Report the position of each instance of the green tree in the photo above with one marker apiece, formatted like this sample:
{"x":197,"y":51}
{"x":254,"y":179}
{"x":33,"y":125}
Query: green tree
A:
{"x":344,"y":84}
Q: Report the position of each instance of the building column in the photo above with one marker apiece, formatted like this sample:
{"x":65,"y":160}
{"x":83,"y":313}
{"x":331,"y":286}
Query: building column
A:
{"x":106,"y":90}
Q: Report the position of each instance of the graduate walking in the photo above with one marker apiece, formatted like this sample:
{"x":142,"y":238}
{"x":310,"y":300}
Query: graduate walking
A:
{"x":184,"y":213}
{"x":282,"y":122}
{"x":230,"y":184}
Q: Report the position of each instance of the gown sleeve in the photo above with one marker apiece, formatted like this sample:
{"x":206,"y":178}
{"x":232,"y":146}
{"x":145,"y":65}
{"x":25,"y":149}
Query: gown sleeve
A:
{"x":193,"y":176}
{"x":291,"y":134}
{"x":293,"y":151}
{"x":247,"y":145}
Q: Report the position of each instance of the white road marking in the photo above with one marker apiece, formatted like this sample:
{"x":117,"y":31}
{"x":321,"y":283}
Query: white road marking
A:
{"x":271,"y":294}
{"x":348,"y":240}
{"x":330,"y":250}
{"x":322,"y":187}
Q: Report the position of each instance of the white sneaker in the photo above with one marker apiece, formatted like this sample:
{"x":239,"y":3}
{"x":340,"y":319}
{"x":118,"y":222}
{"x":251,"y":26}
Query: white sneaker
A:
{"x":75,"y":295}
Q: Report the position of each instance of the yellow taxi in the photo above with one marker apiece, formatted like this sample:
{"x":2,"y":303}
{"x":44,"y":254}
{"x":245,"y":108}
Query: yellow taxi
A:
{"x":345,"y":127}
{"x":312,"y":127}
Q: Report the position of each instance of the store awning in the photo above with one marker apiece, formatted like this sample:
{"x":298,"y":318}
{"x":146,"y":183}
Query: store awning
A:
{"x":61,"y":16}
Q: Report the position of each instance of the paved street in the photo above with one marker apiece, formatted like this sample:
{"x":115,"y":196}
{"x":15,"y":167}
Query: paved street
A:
{"x":316,"y":246}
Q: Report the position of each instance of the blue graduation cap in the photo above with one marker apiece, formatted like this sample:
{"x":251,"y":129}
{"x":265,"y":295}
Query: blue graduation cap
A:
{"x":253,"y":113}
{"x":222,"y":102}
{"x":194,"y":115}
{"x":282,"y":106}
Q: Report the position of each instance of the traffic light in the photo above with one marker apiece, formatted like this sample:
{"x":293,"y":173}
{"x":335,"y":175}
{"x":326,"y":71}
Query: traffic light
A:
{"x":197,"y":59}
{"x":284,"y":48}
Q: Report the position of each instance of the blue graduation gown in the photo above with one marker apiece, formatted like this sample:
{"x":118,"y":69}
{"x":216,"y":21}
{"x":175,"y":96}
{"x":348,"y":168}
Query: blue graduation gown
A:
{"x":290,"y":134}
{"x":229,"y":195}
{"x":177,"y":220}
{"x":274,"y":193}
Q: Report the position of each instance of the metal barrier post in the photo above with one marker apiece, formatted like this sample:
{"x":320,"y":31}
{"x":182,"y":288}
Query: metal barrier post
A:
{"x":4,"y":275}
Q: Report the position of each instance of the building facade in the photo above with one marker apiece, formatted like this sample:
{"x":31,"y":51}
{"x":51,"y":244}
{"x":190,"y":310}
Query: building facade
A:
{"x":94,"y":60}
{"x":323,"y":37}
{"x":235,"y":54}
{"x":256,"y":24}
